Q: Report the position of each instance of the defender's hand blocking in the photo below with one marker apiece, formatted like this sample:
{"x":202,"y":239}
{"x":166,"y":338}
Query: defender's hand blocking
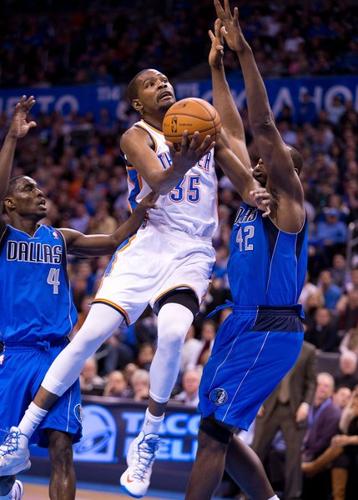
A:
{"x":230,"y":26}
{"x":148,"y":201}
{"x":216,"y":53}
{"x":189,"y":152}
{"x":19,"y":125}
{"x":263,"y":200}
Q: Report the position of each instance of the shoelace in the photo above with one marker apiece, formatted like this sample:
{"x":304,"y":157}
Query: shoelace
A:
{"x":146,"y":454}
{"x":10,"y":444}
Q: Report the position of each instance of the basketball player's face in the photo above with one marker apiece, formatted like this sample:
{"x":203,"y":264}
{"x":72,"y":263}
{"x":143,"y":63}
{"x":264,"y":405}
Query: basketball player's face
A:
{"x":29,"y":201}
{"x":259,"y":173}
{"x":155,"y":92}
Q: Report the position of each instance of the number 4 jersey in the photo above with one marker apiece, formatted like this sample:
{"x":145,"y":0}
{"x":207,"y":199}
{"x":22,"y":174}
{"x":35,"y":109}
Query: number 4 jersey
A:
{"x":191,"y":206}
{"x":267,"y":266}
{"x":35,"y":297}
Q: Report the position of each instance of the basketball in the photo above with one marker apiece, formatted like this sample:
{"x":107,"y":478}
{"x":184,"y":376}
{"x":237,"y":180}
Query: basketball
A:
{"x":193,"y":115}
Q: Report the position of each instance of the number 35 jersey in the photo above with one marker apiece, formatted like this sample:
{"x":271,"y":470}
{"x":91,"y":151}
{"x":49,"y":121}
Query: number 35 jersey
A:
{"x":35,"y":297}
{"x":267,"y":266}
{"x":191,"y":206}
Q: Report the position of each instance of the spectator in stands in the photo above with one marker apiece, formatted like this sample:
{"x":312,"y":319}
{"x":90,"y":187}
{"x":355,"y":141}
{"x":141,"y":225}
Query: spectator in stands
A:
{"x":347,"y":375}
{"x":116,"y":385}
{"x":208,"y":332}
{"x":145,"y":356}
{"x":331,"y":292}
{"x":342,"y":396}
{"x":347,"y":308}
{"x":323,"y":420}
{"x":342,"y":453}
{"x":287,"y":409}
{"x":140,"y":385}
{"x":331,"y":232}
{"x":91,"y":383}
{"x":190,"y":382}
{"x":322,"y":333}
{"x":190,"y":351}
{"x":338,"y":270}
{"x":350,"y":341}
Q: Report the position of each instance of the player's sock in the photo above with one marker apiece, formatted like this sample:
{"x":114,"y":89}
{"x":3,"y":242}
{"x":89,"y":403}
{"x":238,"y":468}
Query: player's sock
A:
{"x":151,"y":424}
{"x":33,"y":417}
{"x":275,"y":497}
{"x":174,"y":321}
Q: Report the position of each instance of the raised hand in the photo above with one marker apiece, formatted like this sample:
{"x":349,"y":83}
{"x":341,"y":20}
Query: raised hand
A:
{"x":262,"y":199}
{"x":231,"y":29}
{"x":190,"y":151}
{"x":19,"y":125}
{"x":148,"y":201}
{"x":217,"y":45}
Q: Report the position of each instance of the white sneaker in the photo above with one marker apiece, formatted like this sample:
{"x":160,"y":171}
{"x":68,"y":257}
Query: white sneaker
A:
{"x":140,"y":457}
{"x":17,"y":491}
{"x":14,"y":453}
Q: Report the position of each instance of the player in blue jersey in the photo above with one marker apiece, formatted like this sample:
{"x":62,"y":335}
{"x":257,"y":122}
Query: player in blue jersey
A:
{"x":37,"y":311}
{"x":261,"y":340}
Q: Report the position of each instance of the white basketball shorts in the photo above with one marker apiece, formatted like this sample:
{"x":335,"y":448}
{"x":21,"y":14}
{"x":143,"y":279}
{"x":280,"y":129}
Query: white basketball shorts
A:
{"x":152,"y":263}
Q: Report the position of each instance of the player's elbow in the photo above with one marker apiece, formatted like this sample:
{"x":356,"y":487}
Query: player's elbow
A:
{"x":263,"y":125}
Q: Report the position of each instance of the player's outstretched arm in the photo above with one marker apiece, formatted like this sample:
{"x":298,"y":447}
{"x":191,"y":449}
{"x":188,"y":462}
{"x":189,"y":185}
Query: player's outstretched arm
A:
{"x":240,"y":176}
{"x":19,"y":127}
{"x":87,"y":245}
{"x":274,"y":152}
{"x":138,"y":148}
{"x":222,"y":97}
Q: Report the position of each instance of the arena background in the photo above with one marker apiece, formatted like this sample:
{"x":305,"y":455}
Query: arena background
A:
{"x":76,"y":58}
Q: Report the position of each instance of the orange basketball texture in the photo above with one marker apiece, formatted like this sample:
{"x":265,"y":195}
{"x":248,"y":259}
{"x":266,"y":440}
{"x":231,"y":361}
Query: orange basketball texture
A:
{"x":193,"y":115}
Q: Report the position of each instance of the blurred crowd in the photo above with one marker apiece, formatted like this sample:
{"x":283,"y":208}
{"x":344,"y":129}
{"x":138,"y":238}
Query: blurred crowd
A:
{"x":105,"y":41}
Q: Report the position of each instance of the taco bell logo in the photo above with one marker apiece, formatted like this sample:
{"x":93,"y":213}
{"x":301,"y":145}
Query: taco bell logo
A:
{"x":98,"y":442}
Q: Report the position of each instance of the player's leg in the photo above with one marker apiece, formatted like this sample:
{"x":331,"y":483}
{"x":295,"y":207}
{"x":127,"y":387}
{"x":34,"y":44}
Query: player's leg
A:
{"x":213,"y":442}
{"x":246,"y":469}
{"x":175,"y":316}
{"x":100,"y":323}
{"x":63,"y":477}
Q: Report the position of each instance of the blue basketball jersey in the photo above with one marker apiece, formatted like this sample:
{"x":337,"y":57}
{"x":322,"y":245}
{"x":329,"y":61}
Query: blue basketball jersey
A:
{"x":35,"y":296}
{"x":267,"y":266}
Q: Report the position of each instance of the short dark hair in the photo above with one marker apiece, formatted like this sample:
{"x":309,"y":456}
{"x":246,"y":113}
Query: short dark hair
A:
{"x":132,"y":88}
{"x":297,"y":159}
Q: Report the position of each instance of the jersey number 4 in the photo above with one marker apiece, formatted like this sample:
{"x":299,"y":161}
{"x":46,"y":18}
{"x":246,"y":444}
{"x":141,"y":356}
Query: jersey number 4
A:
{"x":187,"y":188}
{"x":53,"y":279}
{"x":243,"y":237}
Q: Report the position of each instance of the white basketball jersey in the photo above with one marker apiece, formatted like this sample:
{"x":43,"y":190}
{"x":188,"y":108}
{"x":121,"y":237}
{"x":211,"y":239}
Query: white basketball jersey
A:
{"x":191,"y":206}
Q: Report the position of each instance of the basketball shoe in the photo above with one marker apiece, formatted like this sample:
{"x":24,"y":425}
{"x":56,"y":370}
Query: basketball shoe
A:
{"x":14,"y":453}
{"x":140,"y":457}
{"x":16,"y":492}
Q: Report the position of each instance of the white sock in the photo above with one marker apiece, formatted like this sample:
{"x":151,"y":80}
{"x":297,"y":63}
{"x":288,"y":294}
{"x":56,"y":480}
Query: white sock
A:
{"x":275,"y":497}
{"x":151,"y":424}
{"x":33,"y":417}
{"x":174,"y":321}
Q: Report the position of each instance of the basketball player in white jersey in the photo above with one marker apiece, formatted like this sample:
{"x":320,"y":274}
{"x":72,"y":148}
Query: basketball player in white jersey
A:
{"x":167,"y":265}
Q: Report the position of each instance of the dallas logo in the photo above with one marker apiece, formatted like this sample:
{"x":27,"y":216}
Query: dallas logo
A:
{"x":218,"y":396}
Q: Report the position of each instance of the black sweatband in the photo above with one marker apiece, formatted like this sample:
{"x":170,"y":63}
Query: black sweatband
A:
{"x":185,"y":297}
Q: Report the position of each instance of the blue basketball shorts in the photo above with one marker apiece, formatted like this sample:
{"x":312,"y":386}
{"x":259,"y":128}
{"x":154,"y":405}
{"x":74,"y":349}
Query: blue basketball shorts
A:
{"x":253,"y":350}
{"x":22,"y":369}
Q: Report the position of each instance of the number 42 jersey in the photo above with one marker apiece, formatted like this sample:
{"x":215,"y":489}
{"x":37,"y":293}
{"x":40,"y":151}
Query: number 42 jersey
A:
{"x":267,"y":266}
{"x":35,"y":297}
